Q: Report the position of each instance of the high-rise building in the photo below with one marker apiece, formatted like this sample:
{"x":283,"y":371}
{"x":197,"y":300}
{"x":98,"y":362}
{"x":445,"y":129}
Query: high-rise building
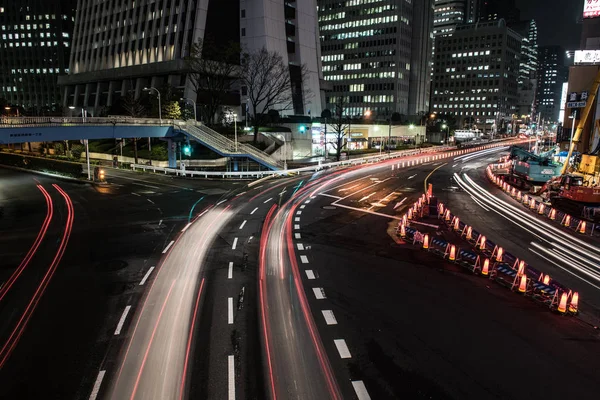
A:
{"x":448,"y":14}
{"x":36,"y":42}
{"x":552,"y":73}
{"x":476,"y":72}
{"x":490,"y":10}
{"x":528,"y":65}
{"x":367,"y":54}
{"x":122,"y":47}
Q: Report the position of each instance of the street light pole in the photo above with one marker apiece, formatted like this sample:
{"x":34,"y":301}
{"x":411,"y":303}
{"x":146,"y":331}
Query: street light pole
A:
{"x":194,"y":103}
{"x":87,"y":158}
{"x":235,"y":130}
{"x":573,"y":114}
{"x":149,"y":89}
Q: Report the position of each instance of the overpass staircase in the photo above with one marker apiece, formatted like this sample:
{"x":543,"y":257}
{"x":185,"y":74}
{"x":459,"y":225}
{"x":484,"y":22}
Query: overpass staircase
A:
{"x":226,"y":147}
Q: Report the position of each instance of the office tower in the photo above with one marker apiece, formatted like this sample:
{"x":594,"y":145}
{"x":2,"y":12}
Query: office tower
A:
{"x":36,"y":41}
{"x":552,"y":73}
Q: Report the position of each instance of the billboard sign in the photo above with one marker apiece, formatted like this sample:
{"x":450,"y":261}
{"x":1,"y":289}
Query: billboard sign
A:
{"x":591,"y":8}
{"x":587,"y":56}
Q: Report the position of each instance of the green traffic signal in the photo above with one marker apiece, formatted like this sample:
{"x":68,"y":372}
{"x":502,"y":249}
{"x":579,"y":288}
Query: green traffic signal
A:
{"x":187,"y":150}
{"x":302,"y":129}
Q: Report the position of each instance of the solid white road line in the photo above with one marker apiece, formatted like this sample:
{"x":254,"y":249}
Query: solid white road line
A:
{"x":168,"y":247}
{"x":230,"y":272}
{"x":297,"y":219}
{"x":329,"y":195}
{"x":253,"y":211}
{"x":319,"y":293}
{"x":97,"y":385}
{"x":238,"y":195}
{"x":231,"y":376}
{"x":360,"y":390}
{"x":234,"y":245}
{"x":304,"y":259}
{"x":329,"y":317}
{"x":230,"y":310}
{"x":366,"y":197}
{"x":122,"y":320}
{"x":300,"y":246}
{"x":412,"y":176}
{"x":297,"y":235}
{"x":310,"y":274}
{"x":145,"y":278}
{"x":303,"y":206}
{"x":186,"y":227}
{"x":342,"y":348}
{"x":296,"y":226}
{"x":243,"y":223}
{"x":268,"y":200}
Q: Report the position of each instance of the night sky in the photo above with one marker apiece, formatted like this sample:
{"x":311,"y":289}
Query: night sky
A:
{"x":557,"y":20}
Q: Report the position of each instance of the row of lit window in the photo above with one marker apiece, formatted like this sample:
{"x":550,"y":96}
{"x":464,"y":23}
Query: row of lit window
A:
{"x":484,"y":90}
{"x":471,"y":54}
{"x":17,"y":36}
{"x":357,"y":88}
{"x":381,"y":98}
{"x":467,"y":98}
{"x":36,"y":71}
{"x":364,"y":22}
{"x":26,"y":27}
{"x":351,"y":3}
{"x":369,"y":75}
{"x":30,"y":44}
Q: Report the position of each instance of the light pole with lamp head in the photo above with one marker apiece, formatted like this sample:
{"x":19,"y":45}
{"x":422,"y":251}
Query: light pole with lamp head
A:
{"x":150,"y":89}
{"x":573,"y":116}
{"x":87,"y":149}
{"x":194,"y":103}
{"x":235,"y":130}
{"x":447,"y":134}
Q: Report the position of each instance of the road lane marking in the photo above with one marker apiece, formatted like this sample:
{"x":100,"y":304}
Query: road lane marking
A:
{"x":230,"y":272}
{"x":366,"y":197}
{"x":122,"y":320}
{"x":253,"y":211}
{"x":329,"y":317}
{"x":231,"y":376}
{"x":360,"y":390}
{"x":342,"y":348}
{"x":412,"y":176}
{"x":310,"y":274}
{"x":168,"y":247}
{"x":398,"y":204}
{"x":304,"y":259}
{"x":307,"y":201}
{"x":186,"y":227}
{"x":303,"y":206}
{"x":297,"y":235}
{"x":299,"y":212}
{"x":221,"y":202}
{"x":268,"y":200}
{"x":136,"y":194}
{"x":297,"y":219}
{"x":319,"y":293}
{"x":141,"y":184}
{"x":238,"y":195}
{"x":160,"y":222}
{"x":150,"y":201}
{"x":300,"y":246}
{"x":234,"y":245}
{"x":145,"y":278}
{"x":230,"y":310}
{"x":329,"y":195}
{"x":97,"y":384}
{"x":296,"y":226}
{"x":243,"y":223}
{"x":431,"y":173}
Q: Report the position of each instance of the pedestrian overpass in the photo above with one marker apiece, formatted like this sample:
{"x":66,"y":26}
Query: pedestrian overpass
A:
{"x":51,"y":129}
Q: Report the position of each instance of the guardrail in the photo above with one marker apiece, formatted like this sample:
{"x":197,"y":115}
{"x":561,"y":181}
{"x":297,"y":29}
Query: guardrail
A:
{"x":447,"y":151}
{"x":21,"y":122}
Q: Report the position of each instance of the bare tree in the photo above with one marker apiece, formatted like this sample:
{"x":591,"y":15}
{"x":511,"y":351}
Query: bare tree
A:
{"x":133,"y":106}
{"x":267,"y":80}
{"x":339,"y":126}
{"x":212,"y":71}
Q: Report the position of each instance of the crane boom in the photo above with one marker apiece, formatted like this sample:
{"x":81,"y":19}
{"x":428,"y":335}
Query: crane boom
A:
{"x":583,"y":121}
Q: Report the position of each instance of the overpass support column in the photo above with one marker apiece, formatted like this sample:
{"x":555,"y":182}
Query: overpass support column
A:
{"x":111,"y":91}
{"x":172,"y":153}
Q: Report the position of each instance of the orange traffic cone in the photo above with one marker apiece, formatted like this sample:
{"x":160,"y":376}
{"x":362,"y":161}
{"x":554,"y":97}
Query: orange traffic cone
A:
{"x":523,"y":284}
{"x":525,"y":199}
{"x":426,"y":242}
{"x":499,"y":254}
{"x":513,"y":192}
{"x":532,"y":204}
{"x":469,"y":233}
{"x":582,"y":227}
{"x":456,"y":224}
{"x":481,"y":241}
{"x":441,"y":209}
{"x":519,"y":196}
{"x":486,"y":267}
{"x":562,"y":306}
{"x":567,"y":220}
{"x":552,"y":214}
{"x":447,"y":215}
{"x":402,"y":231}
{"x":541,"y":278}
{"x":521,"y":269}
{"x":410,"y":213}
{"x":452,"y":256}
{"x":541,"y":209}
{"x":574,"y":305}
{"x":546,"y":279}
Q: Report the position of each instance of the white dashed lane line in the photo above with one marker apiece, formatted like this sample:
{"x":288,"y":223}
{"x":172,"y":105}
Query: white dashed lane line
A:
{"x":297,"y":235}
{"x":297,"y":219}
{"x":230,"y":310}
{"x":230,"y":272}
{"x":234,"y":245}
{"x":329,"y":317}
{"x":253,"y":211}
{"x":268,"y":200}
{"x":310,"y":274}
{"x":304,"y":259}
{"x":122,"y":320}
{"x":97,"y":384}
{"x":243,"y":223}
{"x":303,"y":206}
{"x":296,"y":226}
{"x":300,"y":246}
{"x":319,"y":293}
{"x":342,"y":348}
{"x":145,"y":278}
{"x":168,"y":247}
{"x":360,"y":390}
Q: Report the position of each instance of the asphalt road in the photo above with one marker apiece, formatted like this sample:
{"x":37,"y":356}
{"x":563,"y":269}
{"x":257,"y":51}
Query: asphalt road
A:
{"x":416,"y":327}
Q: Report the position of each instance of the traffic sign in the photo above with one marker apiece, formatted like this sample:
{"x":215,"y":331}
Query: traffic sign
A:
{"x":576,"y":104}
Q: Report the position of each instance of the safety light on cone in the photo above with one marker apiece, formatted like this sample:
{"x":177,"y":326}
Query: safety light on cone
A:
{"x":426,"y":242}
{"x":541,"y":209}
{"x":546,"y":279}
{"x":402,"y":231}
{"x":552,"y":214}
{"x":521,"y":269}
{"x":582,"y":227}
{"x":447,"y":215}
{"x":519,"y":196}
{"x":574,"y":305}
{"x":513,"y":192}
{"x":404,"y":219}
{"x":469,"y":235}
{"x":499,"y":254}
{"x":441,"y":209}
{"x":525,"y":199}
{"x":482,"y":241}
{"x":452,"y":256}
{"x":567,"y":220}
{"x":532,"y":204}
{"x":523,"y":284}
{"x":486,"y":267}
{"x":410,"y":213}
{"x":562,"y":305}
{"x":456,"y":224}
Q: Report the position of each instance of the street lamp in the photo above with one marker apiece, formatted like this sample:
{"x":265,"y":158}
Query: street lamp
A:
{"x":572,"y":116}
{"x":284,"y":152}
{"x":448,"y":133}
{"x":194,"y":103}
{"x":235,"y":130}
{"x":150,"y":89}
